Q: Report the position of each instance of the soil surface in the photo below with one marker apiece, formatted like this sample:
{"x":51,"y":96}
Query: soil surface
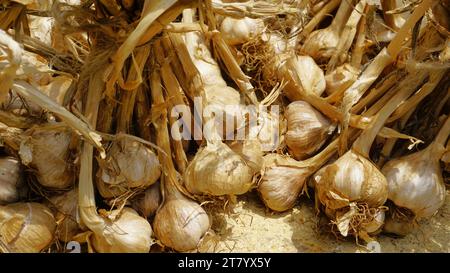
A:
{"x":252,"y":228}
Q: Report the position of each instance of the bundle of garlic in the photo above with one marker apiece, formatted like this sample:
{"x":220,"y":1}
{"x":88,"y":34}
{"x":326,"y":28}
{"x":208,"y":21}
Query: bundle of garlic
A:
{"x":26,"y":227}
{"x":216,"y":169}
{"x":180,"y":223}
{"x":352,"y":190}
{"x":12,"y":184}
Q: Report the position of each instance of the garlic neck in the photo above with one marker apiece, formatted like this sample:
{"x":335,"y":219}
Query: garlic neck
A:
{"x":341,"y":15}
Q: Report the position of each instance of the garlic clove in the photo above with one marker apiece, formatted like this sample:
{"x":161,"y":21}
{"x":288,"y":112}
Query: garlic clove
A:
{"x":216,"y":170}
{"x":149,"y":202}
{"x":307,"y":129}
{"x":127,"y":233}
{"x":12,"y":185}
{"x":181,"y":224}
{"x":281,"y":182}
{"x":66,"y":214}
{"x":47,"y":151}
{"x":129,"y":164}
{"x":415,"y":181}
{"x":26,"y":227}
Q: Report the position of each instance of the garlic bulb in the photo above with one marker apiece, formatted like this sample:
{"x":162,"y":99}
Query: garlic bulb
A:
{"x":66,"y":214}
{"x":281,"y":182}
{"x":415,"y":181}
{"x":400,"y":227}
{"x":148,"y":203}
{"x":180,"y":223}
{"x":351,"y":178}
{"x":217,"y":170}
{"x":26,"y":227}
{"x":47,"y":150}
{"x":301,"y":74}
{"x":239,"y":31}
{"x":123,"y":231}
{"x":307,"y":129}
{"x":129,"y":164}
{"x":12,"y":185}
{"x":283,"y":178}
{"x":321,"y":44}
{"x":341,"y":77}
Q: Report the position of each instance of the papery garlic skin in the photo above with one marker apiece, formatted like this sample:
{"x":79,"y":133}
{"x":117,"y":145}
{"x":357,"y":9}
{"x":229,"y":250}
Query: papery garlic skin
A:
{"x":351,"y":177}
{"x":415,"y":181}
{"x":281,"y":184}
{"x":181,"y":224}
{"x":216,"y":170}
{"x":238,"y":31}
{"x":66,"y":214}
{"x":341,"y":76}
{"x":307,"y":129}
{"x":129,"y":164}
{"x":128,"y":233}
{"x":12,"y":185}
{"x":147,"y":204}
{"x":301,"y":74}
{"x":47,"y":151}
{"x":376,"y":224}
{"x":26,"y":227}
{"x":321,"y":44}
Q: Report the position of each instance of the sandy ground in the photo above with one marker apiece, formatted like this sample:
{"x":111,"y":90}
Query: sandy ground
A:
{"x":251,"y":228}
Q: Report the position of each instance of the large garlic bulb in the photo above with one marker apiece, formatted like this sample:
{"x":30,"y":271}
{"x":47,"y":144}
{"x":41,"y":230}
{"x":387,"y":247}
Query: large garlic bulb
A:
{"x":12,"y":185}
{"x":26,"y":227}
{"x":180,"y":223}
{"x":217,"y":170}
{"x":307,"y":129}
{"x":47,"y":151}
{"x":281,"y":182}
{"x":129,"y":164}
{"x":352,"y":178}
{"x":415,"y":181}
{"x":238,"y":31}
{"x":148,"y":203}
{"x":65,"y":208}
{"x":123,"y":232}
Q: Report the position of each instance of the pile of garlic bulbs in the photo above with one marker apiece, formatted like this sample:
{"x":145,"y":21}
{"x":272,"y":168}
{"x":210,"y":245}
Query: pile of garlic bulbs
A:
{"x":124,"y":125}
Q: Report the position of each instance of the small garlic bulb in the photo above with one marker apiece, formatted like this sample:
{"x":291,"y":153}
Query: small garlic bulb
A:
{"x":340,"y":77}
{"x":47,"y":151}
{"x":321,"y":44}
{"x":122,"y":232}
{"x":415,"y":181}
{"x":239,"y":31}
{"x":307,"y":129}
{"x":281,"y":182}
{"x":129,"y":164}
{"x":301,"y":74}
{"x":66,"y":214}
{"x":180,"y":223}
{"x":26,"y":227}
{"x":400,"y":227}
{"x":149,"y":202}
{"x":216,"y":170}
{"x":351,"y":178}
{"x":12,"y":185}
